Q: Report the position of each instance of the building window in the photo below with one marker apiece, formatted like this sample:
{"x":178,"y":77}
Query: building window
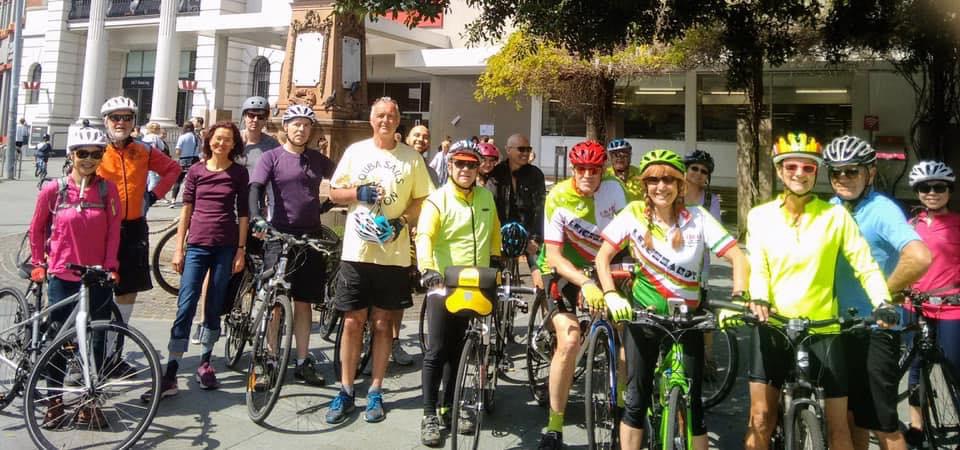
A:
{"x":261,"y":77}
{"x":33,"y":96}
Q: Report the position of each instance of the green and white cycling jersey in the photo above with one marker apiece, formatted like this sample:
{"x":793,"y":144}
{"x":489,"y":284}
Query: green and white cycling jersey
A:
{"x":574,"y":222}
{"x":662,"y":271}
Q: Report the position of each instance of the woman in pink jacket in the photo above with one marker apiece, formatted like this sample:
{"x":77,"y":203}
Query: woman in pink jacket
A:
{"x":76,"y":221}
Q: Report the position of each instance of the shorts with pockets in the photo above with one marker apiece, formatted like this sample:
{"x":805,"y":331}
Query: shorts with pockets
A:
{"x":772,"y":358}
{"x":361,"y":285}
{"x":873,"y":358}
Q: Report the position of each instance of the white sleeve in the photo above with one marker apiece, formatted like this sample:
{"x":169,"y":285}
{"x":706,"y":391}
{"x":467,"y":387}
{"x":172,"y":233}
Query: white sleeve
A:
{"x":618,"y":230}
{"x":715,"y":236}
{"x":342,"y":178}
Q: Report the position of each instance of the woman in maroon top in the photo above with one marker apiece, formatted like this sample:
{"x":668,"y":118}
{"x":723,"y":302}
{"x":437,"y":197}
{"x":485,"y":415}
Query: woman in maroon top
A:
{"x":216,"y":213}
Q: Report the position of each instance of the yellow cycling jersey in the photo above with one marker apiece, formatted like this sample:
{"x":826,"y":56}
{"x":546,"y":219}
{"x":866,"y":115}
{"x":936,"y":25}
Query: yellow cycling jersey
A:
{"x":633,"y":185}
{"x":793,"y":262}
{"x":456,"y":228}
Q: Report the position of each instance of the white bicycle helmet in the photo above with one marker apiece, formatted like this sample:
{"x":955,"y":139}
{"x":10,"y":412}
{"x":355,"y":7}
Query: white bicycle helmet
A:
{"x":84,"y":137}
{"x":849,"y":150}
{"x":931,"y":171}
{"x":295,"y":111}
{"x":117,"y":104}
{"x":370,"y":229}
{"x":255,"y":103}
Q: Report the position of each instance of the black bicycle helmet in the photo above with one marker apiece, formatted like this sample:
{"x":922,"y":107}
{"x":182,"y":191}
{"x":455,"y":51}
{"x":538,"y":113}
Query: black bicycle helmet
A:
{"x":699,"y":157}
{"x":513,"y":240}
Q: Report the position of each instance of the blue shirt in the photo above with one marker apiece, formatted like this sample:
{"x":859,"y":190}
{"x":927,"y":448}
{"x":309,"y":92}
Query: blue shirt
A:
{"x":886,"y":230}
{"x":189,"y":146}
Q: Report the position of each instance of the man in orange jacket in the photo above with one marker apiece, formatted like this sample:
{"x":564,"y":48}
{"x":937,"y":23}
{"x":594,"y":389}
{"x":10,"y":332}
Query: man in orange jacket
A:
{"x":126,"y":163}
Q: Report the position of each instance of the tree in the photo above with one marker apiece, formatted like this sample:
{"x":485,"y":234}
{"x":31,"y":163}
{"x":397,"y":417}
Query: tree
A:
{"x":536,"y":66}
{"x":921,"y":39}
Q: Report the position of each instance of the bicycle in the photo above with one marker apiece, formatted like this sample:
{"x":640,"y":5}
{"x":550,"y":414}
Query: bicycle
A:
{"x":274,"y":315}
{"x":477,"y":370}
{"x":936,"y":394}
{"x":75,"y":372}
{"x":801,"y":422}
{"x":162,"y":263}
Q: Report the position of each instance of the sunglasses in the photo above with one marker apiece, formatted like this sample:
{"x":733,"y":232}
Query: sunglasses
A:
{"x":699,"y":169}
{"x":587,"y":170}
{"x":849,"y":172}
{"x":925,"y":188}
{"x":524,"y":149}
{"x":657,"y":180}
{"x":260,"y":116}
{"x":121,"y":117}
{"x":87,"y":154}
{"x":469,"y":165}
{"x":805,"y":168}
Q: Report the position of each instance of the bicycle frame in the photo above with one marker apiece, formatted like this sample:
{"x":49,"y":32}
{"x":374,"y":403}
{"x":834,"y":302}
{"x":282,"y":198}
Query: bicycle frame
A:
{"x":800,"y":393}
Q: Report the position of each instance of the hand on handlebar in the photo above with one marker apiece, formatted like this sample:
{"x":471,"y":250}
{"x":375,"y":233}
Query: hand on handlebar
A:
{"x":259,"y":227}
{"x":886,"y":315}
{"x":618,"y":306}
{"x":592,"y":295}
{"x":431,"y":278}
{"x":761,"y":309}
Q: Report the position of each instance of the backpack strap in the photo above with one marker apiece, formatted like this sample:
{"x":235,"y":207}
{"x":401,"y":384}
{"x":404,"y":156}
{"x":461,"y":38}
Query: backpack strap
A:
{"x":63,"y":183}
{"x":708,"y":200}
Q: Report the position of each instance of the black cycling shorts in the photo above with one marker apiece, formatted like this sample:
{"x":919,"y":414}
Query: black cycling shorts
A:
{"x":772,"y":358}
{"x":306,"y":270}
{"x":133,"y":256}
{"x":563,"y":294}
{"x":361,"y":285}
{"x":873,"y":359}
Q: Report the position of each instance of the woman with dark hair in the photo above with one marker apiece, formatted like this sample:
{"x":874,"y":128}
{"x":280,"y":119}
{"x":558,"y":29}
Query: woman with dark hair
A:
{"x":215,"y":211}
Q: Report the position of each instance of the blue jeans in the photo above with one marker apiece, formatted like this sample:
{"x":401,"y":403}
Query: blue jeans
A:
{"x":100,"y":298}
{"x":198,"y":260}
{"x":948,"y":337}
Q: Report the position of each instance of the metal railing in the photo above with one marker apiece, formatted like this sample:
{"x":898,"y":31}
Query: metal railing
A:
{"x":80,"y":9}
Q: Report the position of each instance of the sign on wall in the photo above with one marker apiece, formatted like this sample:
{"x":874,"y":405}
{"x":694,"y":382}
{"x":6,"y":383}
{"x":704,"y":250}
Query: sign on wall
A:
{"x":487,"y":129}
{"x":309,"y":54}
{"x":351,"y":61}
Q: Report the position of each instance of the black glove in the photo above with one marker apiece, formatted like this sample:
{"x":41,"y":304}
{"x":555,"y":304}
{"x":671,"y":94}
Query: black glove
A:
{"x":496,"y":262}
{"x":431,"y":278}
{"x":887,"y":313}
{"x":259,"y":225}
{"x":368,"y":194}
{"x":151,"y":198}
{"x":397,"y":225}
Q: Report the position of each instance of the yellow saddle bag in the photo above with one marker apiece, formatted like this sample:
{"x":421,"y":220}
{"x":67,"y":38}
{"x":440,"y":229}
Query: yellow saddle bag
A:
{"x":472,"y":290}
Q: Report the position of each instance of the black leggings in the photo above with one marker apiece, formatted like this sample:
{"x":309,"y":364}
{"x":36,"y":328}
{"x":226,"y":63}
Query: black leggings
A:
{"x":444,"y":345}
{"x":642,"y":347}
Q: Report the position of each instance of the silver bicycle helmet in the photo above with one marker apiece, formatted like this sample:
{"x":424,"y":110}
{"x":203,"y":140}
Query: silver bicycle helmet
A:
{"x":256,"y":102}
{"x":931,"y":171}
{"x":372,"y":228}
{"x":849,"y":150}
{"x":84,"y":137}
{"x":117,"y":104}
{"x":295,"y":111}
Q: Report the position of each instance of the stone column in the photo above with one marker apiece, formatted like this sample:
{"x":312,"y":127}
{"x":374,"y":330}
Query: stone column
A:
{"x":211,"y":72}
{"x":94,"y":60}
{"x":165,"y":86}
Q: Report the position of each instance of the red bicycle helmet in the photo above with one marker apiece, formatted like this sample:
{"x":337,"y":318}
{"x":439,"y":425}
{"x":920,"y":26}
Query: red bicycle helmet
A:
{"x":588,"y":153}
{"x":488,"y":150}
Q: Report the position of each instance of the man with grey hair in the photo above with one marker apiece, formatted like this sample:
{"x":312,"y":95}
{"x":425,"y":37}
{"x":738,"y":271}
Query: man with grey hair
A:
{"x":383,"y":182}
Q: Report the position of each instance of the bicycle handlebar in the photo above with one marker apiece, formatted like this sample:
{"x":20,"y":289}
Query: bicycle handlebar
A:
{"x":752,"y":319}
{"x":325,"y":246}
{"x":91,"y":275}
{"x":677,"y":321}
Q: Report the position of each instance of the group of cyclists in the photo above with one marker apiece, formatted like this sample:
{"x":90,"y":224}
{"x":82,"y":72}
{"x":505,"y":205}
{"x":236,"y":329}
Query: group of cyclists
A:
{"x":805,"y":257}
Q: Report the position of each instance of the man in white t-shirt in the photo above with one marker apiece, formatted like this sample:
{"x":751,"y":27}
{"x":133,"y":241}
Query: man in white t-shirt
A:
{"x":384,"y":182}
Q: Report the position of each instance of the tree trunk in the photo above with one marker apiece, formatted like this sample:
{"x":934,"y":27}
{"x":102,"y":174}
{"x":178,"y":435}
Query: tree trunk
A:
{"x":599,"y":116}
{"x":749,"y":151}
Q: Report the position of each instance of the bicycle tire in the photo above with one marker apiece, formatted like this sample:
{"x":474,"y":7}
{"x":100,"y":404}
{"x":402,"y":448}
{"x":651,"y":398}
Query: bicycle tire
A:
{"x":939,"y":406}
{"x":600,"y":408}
{"x":329,"y":315}
{"x":263,"y":364}
{"x":13,"y":310}
{"x":540,"y":341}
{"x":676,"y":429}
{"x":906,"y":360}
{"x":490,"y":364}
{"x":162,"y":266}
{"x":808,"y":431}
{"x":237,"y":322}
{"x":467,"y":401}
{"x":366,"y":349}
{"x":115,"y":400}
{"x":726,"y":355}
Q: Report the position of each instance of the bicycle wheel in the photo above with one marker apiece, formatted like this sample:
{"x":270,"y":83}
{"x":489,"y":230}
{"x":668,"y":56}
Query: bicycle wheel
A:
{"x":600,"y":402}
{"x":236,"y":324}
{"x":720,"y":367}
{"x":808,"y":431}
{"x":161,"y":265}
{"x":269,"y":356}
{"x":13,"y":310}
{"x":941,"y":420}
{"x":365,"y":350}
{"x":676,"y":426}
{"x":112,"y":413}
{"x":468,"y":398}
{"x":540,"y":348}
{"x":329,"y":316}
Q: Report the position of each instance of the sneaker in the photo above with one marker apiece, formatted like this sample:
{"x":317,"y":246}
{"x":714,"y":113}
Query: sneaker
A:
{"x":307,"y":372}
{"x":53,"y":418}
{"x":430,"y":431}
{"x":342,"y":405}
{"x":374,"y":412}
{"x":400,"y":356}
{"x":91,"y":417}
{"x":197,"y":334}
{"x":168,"y":388}
{"x":551,"y":440}
{"x":207,"y":376}
{"x":466,"y":423}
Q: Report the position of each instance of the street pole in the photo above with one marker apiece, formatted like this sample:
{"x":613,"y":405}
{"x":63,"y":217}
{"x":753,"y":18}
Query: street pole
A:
{"x":14,"y":87}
